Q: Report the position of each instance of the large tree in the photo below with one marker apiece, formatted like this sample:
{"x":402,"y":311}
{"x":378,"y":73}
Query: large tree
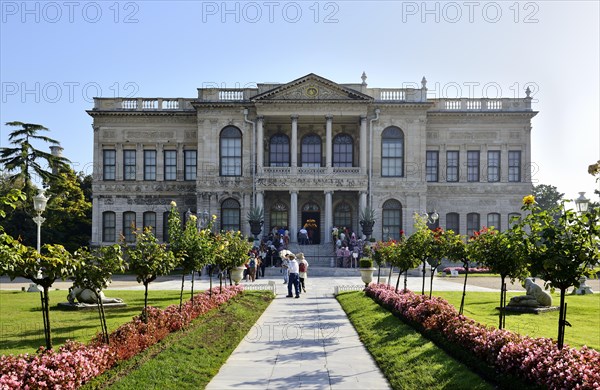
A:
{"x":23,"y":160}
{"x":547,"y":196}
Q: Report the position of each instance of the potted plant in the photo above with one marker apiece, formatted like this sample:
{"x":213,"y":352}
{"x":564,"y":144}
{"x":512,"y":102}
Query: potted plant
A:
{"x":366,"y":270}
{"x":367,"y":220}
{"x":256,"y":220}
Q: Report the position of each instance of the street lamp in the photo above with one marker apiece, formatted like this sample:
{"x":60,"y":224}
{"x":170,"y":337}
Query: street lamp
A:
{"x":582,"y":203}
{"x":431,"y":218}
{"x":39,"y":205}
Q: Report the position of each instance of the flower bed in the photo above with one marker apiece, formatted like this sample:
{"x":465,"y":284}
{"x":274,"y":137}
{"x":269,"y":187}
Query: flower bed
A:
{"x":536,"y":360}
{"x":461,"y":270}
{"x":75,"y":363}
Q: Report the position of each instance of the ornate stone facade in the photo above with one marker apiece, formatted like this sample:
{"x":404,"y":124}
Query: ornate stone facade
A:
{"x":310,"y":149}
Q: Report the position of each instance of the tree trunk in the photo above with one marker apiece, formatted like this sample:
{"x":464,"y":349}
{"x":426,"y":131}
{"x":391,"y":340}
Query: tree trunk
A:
{"x":431,"y":281}
{"x":220,"y":282}
{"x":43,"y":302}
{"x":390,"y":275}
{"x":424,"y":272}
{"x":46,"y":310}
{"x":181,"y":292}
{"x":192,"y":291}
{"x":398,"y":280}
{"x":210,"y":275}
{"x":405,"y":280}
{"x":562,"y":319}
{"x":378,"y":273}
{"x":145,"y":312}
{"x":462,"y":300}
{"x":502,"y":287}
{"x":102,"y":316}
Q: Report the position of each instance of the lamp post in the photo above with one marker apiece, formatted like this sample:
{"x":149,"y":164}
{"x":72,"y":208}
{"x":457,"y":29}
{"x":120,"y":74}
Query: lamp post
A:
{"x":582,"y":203}
{"x":39,"y":205}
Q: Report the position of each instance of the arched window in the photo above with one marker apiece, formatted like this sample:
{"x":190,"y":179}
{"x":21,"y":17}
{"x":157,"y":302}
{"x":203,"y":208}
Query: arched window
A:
{"x":230,"y":215}
{"x":150,"y":221}
{"x":392,"y":152}
{"x":342,"y":151}
{"x":279,"y":215}
{"x":453,"y":222}
{"x":473,"y":224}
{"x":279,"y":150}
{"x":129,"y":226}
{"x":493,"y":219}
{"x":311,"y":151}
{"x":231,"y":151}
{"x":109,"y":226}
{"x":513,"y":218}
{"x":391,"y":218}
{"x":342,"y":215}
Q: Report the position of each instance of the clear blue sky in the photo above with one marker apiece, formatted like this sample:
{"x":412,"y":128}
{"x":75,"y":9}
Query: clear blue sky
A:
{"x":56,"y":56}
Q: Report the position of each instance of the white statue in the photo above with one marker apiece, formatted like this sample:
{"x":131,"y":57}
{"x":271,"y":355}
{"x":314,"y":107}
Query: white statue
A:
{"x":88,"y":296}
{"x":536,"y":296}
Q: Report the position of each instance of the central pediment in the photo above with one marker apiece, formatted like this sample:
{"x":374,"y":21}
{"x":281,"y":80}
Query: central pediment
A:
{"x":312,"y":88}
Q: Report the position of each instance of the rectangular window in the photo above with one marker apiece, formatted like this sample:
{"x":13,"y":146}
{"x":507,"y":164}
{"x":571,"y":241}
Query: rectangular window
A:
{"x":514,"y":165}
{"x":109,"y":225}
{"x":170,"y":164}
{"x":431,"y":165}
{"x":109,"y":163}
{"x":452,"y":164}
{"x":392,"y":161}
{"x":129,"y":164}
{"x":473,"y":165}
{"x":231,"y":156}
{"x":149,"y":164}
{"x":453,"y":222}
{"x":493,"y":169}
{"x":191,"y":162}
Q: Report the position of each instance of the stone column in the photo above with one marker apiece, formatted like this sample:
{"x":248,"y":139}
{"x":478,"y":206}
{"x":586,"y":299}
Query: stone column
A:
{"x":259,"y":144}
{"x":294,"y":147}
{"x":328,"y":146}
{"x":293,"y":228}
{"x":260,"y":200}
{"x":328,"y":215}
{"x":362,"y":201}
{"x":363,"y":145}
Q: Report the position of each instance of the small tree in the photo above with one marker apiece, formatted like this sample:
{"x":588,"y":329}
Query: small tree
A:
{"x":95,"y":272}
{"x":560,"y":250}
{"x":148,"y":260}
{"x":236,"y":251}
{"x":503,"y":253}
{"x":457,"y":251}
{"x":419,"y":246}
{"x":18,"y":260}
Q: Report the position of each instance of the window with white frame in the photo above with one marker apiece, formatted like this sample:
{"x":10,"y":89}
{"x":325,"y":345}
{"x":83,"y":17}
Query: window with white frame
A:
{"x":170,"y":167}
{"x":432,"y":165}
{"x":392,"y":152}
{"x":109,"y":164}
{"x":149,"y":164}
{"x":493,"y":166}
{"x":231,"y":151}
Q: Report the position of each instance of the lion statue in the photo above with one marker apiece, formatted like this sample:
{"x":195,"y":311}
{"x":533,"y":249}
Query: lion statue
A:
{"x":88,"y":296}
{"x":535,"y":297}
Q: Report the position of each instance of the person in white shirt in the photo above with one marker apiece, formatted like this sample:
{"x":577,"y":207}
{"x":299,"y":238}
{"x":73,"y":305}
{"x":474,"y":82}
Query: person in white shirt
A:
{"x":284,"y":269}
{"x":302,"y":270}
{"x":303,"y":236}
{"x":293,"y":278}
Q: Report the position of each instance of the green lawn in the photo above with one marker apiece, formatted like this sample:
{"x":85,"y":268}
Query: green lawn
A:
{"x":190,"y":358}
{"x":22,"y":327}
{"x":583,"y":313}
{"x":407,"y":359}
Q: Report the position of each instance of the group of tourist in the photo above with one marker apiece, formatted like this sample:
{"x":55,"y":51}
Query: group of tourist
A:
{"x":348,"y":249}
{"x":295,"y":271}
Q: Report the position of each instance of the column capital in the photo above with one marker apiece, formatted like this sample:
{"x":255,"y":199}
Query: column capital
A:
{"x":292,"y":192}
{"x":328,"y":192}
{"x":294,"y":117}
{"x":363,"y":118}
{"x":260,"y":117}
{"x":329,"y":117}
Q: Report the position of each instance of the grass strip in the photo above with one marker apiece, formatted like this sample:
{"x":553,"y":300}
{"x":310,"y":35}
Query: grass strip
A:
{"x":407,"y":358}
{"x":190,"y":358}
{"x":583,"y":314}
{"x":22,"y":329}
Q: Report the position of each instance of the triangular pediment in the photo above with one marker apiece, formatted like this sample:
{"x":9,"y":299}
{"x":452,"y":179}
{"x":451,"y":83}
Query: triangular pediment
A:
{"x":312,"y":88}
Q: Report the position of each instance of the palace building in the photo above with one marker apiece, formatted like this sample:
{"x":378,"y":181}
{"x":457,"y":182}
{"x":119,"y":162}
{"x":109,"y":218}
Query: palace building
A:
{"x":310,"y":149}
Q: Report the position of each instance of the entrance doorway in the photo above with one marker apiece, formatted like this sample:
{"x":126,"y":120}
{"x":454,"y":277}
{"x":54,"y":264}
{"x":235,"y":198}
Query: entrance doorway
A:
{"x":312,"y":221}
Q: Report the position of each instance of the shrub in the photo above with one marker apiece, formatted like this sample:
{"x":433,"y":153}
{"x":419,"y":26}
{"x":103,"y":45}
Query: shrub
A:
{"x":536,"y":360}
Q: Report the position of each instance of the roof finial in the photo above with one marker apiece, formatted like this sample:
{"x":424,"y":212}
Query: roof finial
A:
{"x":364,"y":79}
{"x":528,"y":92}
{"x":423,"y":82}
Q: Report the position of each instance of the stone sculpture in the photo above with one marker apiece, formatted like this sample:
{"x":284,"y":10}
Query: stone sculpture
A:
{"x":535,"y":297}
{"x":87,"y":296}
